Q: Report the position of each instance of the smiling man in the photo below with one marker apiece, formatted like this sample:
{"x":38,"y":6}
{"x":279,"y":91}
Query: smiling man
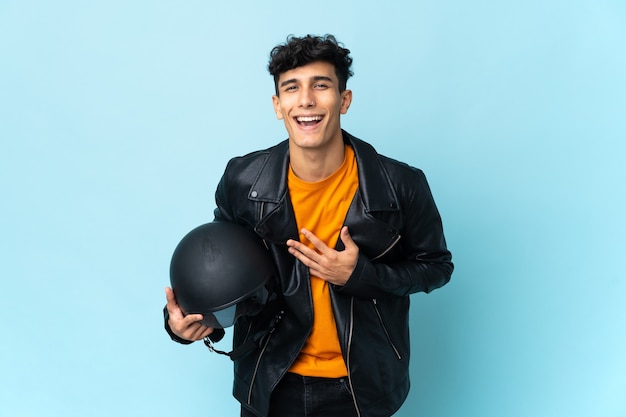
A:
{"x":309,"y":100}
{"x":352,"y":234}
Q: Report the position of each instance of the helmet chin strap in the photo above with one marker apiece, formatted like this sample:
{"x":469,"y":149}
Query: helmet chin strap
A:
{"x":252,"y":343}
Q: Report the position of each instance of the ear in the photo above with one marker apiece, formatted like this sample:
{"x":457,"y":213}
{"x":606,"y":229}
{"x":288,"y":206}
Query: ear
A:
{"x":279,"y":113}
{"x":346,"y":99}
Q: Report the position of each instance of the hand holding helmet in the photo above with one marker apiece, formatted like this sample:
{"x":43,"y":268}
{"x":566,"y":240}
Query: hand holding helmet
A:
{"x":219,"y":272}
{"x":187,"y":327}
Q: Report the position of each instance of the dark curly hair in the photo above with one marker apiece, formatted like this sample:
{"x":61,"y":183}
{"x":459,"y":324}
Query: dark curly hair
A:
{"x":297,"y":52}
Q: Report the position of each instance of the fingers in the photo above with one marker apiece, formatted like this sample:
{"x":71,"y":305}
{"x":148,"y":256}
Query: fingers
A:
{"x":191,"y":327}
{"x":188,"y":327}
{"x":196,"y":331}
{"x":301,"y":251}
{"x":297,"y":248}
{"x":317,"y":242}
{"x":322,"y":248}
{"x":172,"y":306}
{"x":347,"y":239}
{"x":326,"y":263}
{"x":169,"y":295}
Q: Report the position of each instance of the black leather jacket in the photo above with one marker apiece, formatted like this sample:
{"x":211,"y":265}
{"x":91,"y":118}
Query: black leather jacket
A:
{"x":395,"y":223}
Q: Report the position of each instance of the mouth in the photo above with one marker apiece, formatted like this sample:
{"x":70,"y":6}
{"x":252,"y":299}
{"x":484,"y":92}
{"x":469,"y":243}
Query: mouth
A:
{"x":308,"y":121}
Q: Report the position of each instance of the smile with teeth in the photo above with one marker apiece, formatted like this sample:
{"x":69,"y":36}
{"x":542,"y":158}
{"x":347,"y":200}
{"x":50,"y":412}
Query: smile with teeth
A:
{"x":308,"y":120}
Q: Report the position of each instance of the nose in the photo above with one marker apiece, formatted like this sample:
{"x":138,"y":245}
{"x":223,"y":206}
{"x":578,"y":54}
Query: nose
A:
{"x":306,"y":99}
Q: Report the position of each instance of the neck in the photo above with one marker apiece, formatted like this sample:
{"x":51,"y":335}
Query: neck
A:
{"x":312,"y":165}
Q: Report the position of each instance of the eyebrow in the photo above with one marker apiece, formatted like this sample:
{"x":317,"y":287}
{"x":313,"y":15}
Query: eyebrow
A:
{"x":315,"y":78}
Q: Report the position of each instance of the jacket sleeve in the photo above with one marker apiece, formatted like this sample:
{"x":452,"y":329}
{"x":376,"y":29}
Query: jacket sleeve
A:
{"x":422,"y":263}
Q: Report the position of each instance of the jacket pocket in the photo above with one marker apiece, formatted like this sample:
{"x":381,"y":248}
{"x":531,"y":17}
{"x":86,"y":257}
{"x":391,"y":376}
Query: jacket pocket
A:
{"x":393,"y":345}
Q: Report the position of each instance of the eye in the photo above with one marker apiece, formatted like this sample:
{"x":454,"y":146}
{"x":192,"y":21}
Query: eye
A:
{"x":320,"y":86}
{"x":290,"y":88}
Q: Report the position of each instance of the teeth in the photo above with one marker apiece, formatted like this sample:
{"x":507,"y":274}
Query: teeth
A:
{"x":309,"y":118}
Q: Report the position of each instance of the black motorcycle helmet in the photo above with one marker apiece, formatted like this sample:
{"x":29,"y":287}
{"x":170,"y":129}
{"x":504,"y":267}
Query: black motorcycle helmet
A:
{"x":222,"y":271}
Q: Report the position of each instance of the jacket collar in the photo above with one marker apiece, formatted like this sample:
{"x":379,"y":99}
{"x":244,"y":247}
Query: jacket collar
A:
{"x":376,"y":189}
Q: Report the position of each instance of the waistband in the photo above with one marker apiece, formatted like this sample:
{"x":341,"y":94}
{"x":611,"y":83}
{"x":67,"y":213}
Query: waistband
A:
{"x":307,"y":380}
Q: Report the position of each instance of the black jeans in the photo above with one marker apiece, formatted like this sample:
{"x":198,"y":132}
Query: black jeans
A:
{"x":304,"y":396}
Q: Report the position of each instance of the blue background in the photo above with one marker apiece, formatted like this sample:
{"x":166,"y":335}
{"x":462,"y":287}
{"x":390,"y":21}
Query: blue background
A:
{"x":117,"y":119}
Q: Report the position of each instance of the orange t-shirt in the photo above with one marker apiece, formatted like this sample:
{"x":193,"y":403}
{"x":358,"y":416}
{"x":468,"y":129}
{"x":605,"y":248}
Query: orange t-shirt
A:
{"x":321,"y":207}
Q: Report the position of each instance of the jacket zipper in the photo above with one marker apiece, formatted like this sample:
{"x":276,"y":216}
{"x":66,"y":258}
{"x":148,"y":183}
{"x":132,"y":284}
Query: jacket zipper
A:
{"x":382,"y":324}
{"x":256,"y":367}
{"x":388,"y":248}
{"x":269,"y":336}
{"x":356,"y":406}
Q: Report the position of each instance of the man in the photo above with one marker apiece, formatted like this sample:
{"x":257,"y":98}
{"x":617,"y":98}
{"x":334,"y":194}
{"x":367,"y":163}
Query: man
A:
{"x":352,"y":234}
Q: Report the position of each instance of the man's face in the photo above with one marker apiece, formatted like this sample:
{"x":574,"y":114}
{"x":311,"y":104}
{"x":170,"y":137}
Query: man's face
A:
{"x":310,"y":104}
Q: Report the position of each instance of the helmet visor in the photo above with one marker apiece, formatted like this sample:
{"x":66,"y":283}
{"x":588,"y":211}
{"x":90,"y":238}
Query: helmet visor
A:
{"x":226,"y":317}
{"x":220,"y":319}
